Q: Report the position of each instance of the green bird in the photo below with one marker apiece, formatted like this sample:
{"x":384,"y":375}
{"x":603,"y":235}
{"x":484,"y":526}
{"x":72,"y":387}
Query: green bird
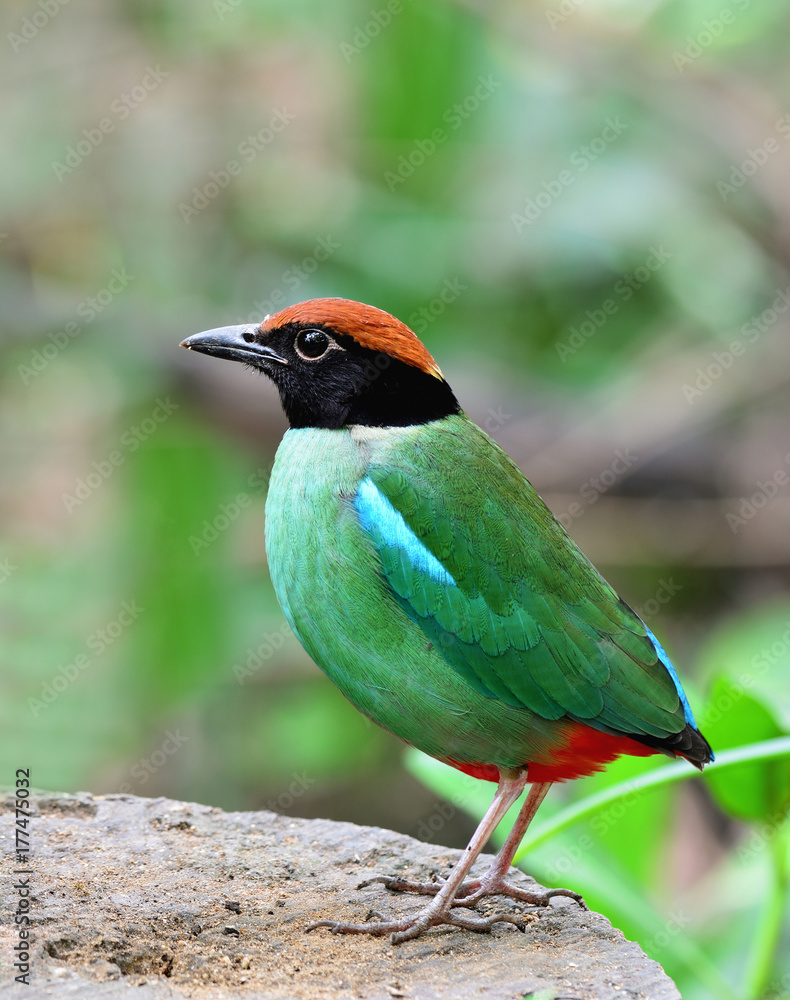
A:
{"x":425,"y":576}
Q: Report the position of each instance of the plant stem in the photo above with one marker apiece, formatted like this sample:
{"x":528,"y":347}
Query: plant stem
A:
{"x":679,"y":771}
{"x":769,"y":927}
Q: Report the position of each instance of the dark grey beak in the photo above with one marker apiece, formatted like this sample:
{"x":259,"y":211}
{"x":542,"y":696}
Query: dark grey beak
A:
{"x":236,"y":343}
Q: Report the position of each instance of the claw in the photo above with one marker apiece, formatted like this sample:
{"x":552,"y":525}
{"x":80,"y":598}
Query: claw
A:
{"x":456,"y":895}
{"x":472,"y":892}
{"x":407,"y":928}
{"x":499,"y":887}
{"x":397,"y":884}
{"x":374,"y":927}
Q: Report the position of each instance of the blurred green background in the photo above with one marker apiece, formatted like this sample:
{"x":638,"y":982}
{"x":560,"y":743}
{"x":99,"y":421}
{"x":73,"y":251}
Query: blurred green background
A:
{"x":584,"y":210}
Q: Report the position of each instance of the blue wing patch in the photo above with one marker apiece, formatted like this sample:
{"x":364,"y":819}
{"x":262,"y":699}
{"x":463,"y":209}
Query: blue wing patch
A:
{"x":377,"y":513}
{"x":662,"y":655}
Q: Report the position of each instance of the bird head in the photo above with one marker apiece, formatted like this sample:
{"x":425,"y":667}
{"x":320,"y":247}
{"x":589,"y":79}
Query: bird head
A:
{"x":338,"y":363}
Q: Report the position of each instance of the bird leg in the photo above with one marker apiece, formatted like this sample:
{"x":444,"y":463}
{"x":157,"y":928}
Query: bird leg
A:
{"x":493,"y":883}
{"x":439,"y":910}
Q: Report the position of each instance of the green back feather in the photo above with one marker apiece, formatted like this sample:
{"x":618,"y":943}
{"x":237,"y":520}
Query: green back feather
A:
{"x":489,"y":669}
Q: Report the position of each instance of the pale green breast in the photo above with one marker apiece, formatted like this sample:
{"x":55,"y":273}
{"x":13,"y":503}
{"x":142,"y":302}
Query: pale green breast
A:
{"x":327,"y":578}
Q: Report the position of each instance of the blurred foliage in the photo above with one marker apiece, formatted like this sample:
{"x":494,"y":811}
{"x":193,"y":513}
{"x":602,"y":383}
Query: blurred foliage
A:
{"x":582,"y":208}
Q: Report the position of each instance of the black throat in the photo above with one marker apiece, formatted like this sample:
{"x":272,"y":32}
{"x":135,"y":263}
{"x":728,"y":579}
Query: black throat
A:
{"x":366,"y":388}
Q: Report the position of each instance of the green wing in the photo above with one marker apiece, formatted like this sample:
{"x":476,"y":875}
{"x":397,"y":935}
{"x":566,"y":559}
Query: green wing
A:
{"x":478,"y":561}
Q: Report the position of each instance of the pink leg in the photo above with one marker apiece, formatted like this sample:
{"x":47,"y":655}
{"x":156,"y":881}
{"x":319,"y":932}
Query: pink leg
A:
{"x":438,"y":911}
{"x":493,"y":883}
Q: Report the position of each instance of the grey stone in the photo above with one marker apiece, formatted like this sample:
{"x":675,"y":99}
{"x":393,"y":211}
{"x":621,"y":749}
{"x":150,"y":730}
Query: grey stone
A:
{"x":131,"y":898}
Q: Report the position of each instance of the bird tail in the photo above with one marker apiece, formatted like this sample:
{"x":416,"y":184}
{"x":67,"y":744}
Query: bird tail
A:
{"x":689,"y":743}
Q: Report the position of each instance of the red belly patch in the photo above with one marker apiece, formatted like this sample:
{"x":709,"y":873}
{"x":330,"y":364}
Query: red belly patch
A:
{"x":586,"y":751}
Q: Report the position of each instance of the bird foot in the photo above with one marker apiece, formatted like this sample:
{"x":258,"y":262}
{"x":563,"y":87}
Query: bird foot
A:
{"x":431,"y":915}
{"x":397,"y":884}
{"x":438,"y":911}
{"x":471,"y":892}
{"x":496,"y":885}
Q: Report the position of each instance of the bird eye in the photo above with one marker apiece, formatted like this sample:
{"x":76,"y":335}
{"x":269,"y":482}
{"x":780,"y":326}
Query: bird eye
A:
{"x":312,"y":344}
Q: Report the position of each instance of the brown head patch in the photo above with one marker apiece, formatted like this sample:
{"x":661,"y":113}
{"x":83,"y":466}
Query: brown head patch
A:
{"x":370,"y":327}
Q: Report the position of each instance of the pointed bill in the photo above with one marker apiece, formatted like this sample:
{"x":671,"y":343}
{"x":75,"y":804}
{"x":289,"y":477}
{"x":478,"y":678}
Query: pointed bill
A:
{"x":235,"y":343}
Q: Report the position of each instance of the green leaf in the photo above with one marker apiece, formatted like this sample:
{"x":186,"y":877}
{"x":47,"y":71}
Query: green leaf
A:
{"x":631,"y":834}
{"x":748,"y":660}
{"x":753,"y":651}
{"x":750,"y":791}
{"x":778,"y":749}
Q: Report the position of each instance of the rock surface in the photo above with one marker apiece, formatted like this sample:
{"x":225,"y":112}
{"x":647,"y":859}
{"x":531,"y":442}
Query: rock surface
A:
{"x":150,"y":898}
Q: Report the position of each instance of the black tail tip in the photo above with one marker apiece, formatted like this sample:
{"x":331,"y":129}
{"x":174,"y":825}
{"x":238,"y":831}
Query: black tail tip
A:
{"x":699,"y":752}
{"x":689,"y":743}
